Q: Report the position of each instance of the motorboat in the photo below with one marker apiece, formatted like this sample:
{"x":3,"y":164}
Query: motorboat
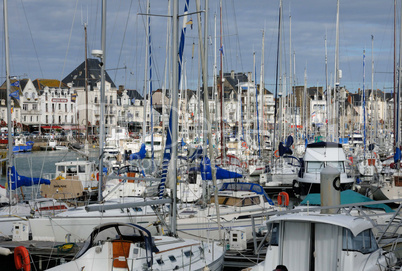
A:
{"x":313,"y":241}
{"x":318,"y":156}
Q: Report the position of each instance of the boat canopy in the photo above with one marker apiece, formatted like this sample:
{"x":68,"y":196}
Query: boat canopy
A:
{"x":242,"y":186}
{"x":347,"y":197}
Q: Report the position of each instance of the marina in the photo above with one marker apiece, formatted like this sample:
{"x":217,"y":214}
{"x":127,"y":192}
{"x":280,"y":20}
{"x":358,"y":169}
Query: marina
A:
{"x":204,"y":166}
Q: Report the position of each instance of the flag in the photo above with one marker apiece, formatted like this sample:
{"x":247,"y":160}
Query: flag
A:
{"x":221,"y":50}
{"x":313,"y":115}
{"x":190,"y":23}
{"x":133,"y":100}
{"x":73,"y":97}
{"x":12,"y":109}
{"x":16,"y":84}
{"x":15,"y":94}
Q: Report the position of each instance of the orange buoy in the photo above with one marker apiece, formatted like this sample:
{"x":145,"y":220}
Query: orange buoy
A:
{"x":285,"y":196}
{"x":21,"y":259}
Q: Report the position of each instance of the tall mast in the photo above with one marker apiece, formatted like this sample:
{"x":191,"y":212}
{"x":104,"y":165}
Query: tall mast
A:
{"x":10,"y":154}
{"x":102,"y":100}
{"x":276,"y":81}
{"x":337,"y":79}
{"x":328,"y":99}
{"x":221,"y":88}
{"x":144,"y":122}
{"x":86,"y":85}
{"x":262,"y":87}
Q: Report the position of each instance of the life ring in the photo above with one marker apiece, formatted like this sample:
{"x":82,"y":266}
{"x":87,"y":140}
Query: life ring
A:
{"x":21,"y":259}
{"x":244,"y":165}
{"x":286,"y":198}
{"x":244,"y":145}
{"x":276,"y":154}
{"x":336,"y":184}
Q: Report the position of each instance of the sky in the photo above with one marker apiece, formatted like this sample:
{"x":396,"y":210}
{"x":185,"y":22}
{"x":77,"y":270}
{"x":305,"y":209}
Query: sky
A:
{"x":47,"y":40}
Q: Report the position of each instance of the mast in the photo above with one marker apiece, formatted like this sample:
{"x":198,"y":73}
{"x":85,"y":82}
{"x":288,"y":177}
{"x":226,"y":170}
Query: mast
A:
{"x":372,"y":88}
{"x":175,"y":86}
{"x":144,"y":122}
{"x":364,"y":105}
{"x":276,"y":81}
{"x":86,"y":85}
{"x":10,"y":155}
{"x":102,"y":100}
{"x":328,"y":91}
{"x":221,"y":86}
{"x":337,"y":78}
{"x":262,"y":84}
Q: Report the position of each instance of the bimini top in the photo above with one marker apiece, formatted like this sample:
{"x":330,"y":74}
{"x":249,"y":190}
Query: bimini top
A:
{"x":324,"y":151}
{"x":355,"y":224}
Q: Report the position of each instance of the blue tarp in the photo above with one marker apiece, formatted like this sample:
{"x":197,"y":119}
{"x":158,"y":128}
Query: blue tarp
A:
{"x":18,"y":180}
{"x":347,"y":197}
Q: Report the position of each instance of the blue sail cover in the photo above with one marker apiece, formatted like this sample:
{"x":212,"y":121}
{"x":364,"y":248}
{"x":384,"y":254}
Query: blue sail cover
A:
{"x":221,"y":174}
{"x":167,"y":154}
{"x":140,"y":154}
{"x":397,"y":156}
{"x":17,"y":180}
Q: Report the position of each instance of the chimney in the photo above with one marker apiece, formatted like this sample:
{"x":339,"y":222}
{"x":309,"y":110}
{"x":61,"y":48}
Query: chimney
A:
{"x":121,"y":87}
{"x":249,"y":76}
{"x":232,"y":74}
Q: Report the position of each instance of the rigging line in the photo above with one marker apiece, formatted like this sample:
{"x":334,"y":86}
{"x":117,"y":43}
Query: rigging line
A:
{"x":124,"y":37}
{"x":237,"y":37}
{"x":68,"y":43}
{"x":33,"y":43}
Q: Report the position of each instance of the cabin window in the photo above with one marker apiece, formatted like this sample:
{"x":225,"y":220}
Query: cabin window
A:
{"x":313,"y":167}
{"x":364,"y":242}
{"x":273,"y":234}
{"x":137,"y":209}
{"x":61,"y":169}
{"x":188,"y":253}
{"x":337,"y":164}
{"x":172,"y":258}
{"x":81,"y":169}
{"x":160,"y":261}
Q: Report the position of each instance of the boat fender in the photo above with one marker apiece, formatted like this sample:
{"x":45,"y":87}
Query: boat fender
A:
{"x":21,"y":259}
{"x":337,"y":183}
{"x":4,"y":251}
{"x":276,"y":154}
{"x":285,"y":196}
{"x":97,"y":176}
{"x":244,"y":165}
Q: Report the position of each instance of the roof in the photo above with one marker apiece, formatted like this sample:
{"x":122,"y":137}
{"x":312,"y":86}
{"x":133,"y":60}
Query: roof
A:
{"x":40,"y":84}
{"x":324,"y":151}
{"x":355,"y":224}
{"x":77,"y":76}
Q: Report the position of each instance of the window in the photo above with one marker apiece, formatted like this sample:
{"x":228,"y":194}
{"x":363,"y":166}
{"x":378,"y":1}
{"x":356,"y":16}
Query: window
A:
{"x":65,"y":107}
{"x":47,"y":107}
{"x":59,"y":106}
{"x":25,"y":118}
{"x":137,"y":114}
{"x":65,"y":119}
{"x":59,"y":119}
{"x":172,"y":258}
{"x":46,"y":96}
{"x":72,"y":119}
{"x":34,"y":106}
{"x":160,"y":261}
{"x":188,"y":253}
{"x":25,"y":107}
{"x":52,"y":107}
{"x":111,"y":99}
{"x":81,"y":169}
{"x":96,"y":100}
{"x":47,"y":119}
{"x":72,"y":107}
{"x":364,"y":242}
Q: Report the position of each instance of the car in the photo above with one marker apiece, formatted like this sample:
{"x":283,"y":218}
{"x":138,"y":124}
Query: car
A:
{"x":35,"y":134}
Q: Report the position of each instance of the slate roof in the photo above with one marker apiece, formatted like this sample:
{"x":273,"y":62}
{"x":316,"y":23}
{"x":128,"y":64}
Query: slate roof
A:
{"x":77,"y":76}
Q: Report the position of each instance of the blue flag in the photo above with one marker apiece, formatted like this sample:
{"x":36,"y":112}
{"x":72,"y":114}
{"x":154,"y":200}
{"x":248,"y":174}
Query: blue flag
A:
{"x":15,"y":94}
{"x":15,"y":84}
{"x":133,"y":100}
